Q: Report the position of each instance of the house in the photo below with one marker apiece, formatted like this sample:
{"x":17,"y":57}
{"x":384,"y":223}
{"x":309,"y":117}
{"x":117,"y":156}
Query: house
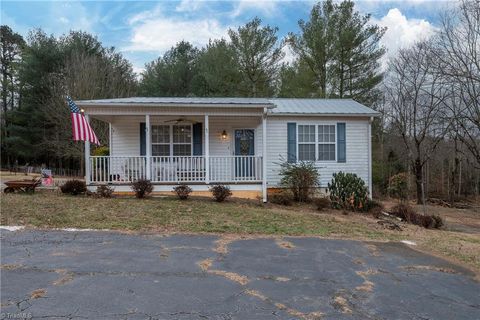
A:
{"x":239,"y":142}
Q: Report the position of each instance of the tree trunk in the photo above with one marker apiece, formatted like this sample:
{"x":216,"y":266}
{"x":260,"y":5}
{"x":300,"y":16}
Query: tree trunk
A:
{"x":418,"y":171}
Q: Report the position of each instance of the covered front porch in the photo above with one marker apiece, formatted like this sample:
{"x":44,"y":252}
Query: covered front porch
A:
{"x":192,"y":146}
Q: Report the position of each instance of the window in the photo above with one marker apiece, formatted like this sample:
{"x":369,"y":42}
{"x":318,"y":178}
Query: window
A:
{"x":173,"y":140}
{"x":316,"y":142}
{"x":306,"y":142}
{"x":160,"y":140}
{"x":326,"y":142}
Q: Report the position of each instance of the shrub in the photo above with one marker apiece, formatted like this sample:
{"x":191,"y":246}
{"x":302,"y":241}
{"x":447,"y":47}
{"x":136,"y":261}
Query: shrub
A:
{"x":104,"y":191}
{"x":300,"y":178}
{"x":322,"y":203}
{"x":283,"y":198}
{"x":407,"y":213}
{"x":438,"y":221}
{"x":101,"y":151}
{"x":398,"y":186}
{"x":182,"y":191}
{"x":220,"y":192}
{"x":404,"y":212}
{"x":348,"y":191}
{"x":142,"y":188}
{"x":74,"y":187}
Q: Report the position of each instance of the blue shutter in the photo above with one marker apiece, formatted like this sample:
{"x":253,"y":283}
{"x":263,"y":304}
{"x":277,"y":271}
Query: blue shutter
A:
{"x":341,"y":143}
{"x":197,"y":139}
{"x":291,"y":142}
{"x":143,"y":140}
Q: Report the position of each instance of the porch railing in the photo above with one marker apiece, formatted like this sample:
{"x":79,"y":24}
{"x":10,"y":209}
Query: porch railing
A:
{"x":173,"y":169}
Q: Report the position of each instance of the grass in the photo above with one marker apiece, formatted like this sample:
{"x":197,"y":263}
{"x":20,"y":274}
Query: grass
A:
{"x":168,"y":214}
{"x":51,"y":210}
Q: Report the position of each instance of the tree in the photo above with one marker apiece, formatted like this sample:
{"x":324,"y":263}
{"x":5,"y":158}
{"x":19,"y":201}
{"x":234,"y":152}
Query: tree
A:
{"x":457,"y":49}
{"x":416,"y":97}
{"x":10,"y":52}
{"x":259,"y":54}
{"x":314,"y":45}
{"x":76,"y":64}
{"x":217,"y":71}
{"x":341,"y":48}
{"x":172,"y":74}
{"x":296,"y":81}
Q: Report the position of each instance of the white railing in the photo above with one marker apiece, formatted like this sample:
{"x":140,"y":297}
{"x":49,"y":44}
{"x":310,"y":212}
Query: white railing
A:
{"x":178,"y":169}
{"x":185,"y":169}
{"x":117,"y":169}
{"x":235,"y":169}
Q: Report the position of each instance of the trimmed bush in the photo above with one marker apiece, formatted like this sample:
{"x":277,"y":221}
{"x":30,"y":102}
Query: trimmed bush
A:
{"x":348,"y":191}
{"x":220,"y":192}
{"x":182,"y":191}
{"x":142,"y":188}
{"x":322,"y":203}
{"x":104,"y":191}
{"x":74,"y":187}
{"x":283,"y":198}
{"x":300,"y":178}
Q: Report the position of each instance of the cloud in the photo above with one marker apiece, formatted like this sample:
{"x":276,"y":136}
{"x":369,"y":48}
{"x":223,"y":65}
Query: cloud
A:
{"x":266,"y":7}
{"x":402,"y":32}
{"x":189,"y":5}
{"x":153,"y":31}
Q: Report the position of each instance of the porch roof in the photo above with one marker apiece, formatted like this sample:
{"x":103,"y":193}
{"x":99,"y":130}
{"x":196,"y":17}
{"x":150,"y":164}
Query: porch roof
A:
{"x":180,"y":101}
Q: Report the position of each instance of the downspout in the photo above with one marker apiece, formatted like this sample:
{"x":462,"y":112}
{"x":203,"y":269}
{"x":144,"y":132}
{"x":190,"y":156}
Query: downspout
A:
{"x":370,"y":157}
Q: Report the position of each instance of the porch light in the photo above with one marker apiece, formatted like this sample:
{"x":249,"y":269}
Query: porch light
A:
{"x":224,"y":135}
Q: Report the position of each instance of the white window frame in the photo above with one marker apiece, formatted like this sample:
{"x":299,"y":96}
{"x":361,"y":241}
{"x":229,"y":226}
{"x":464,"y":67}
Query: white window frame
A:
{"x":316,"y":124}
{"x":171,"y":143}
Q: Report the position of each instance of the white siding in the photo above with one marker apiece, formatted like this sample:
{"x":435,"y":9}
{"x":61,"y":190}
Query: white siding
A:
{"x":126,"y":141}
{"x":356,"y":147}
{"x":126,"y":136}
{"x":126,"y":133}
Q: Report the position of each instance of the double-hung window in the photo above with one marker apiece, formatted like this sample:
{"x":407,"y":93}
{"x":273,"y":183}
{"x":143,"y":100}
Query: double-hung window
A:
{"x":316,"y":142}
{"x":326,"y":143}
{"x":306,"y":142}
{"x":171,"y":140}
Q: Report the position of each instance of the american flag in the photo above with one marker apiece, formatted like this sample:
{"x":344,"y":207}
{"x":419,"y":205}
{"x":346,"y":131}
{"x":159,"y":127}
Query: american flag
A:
{"x":80,"y":127}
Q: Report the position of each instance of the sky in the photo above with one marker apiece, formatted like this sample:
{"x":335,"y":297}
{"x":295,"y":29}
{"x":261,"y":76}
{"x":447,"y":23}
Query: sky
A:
{"x":144,"y":30}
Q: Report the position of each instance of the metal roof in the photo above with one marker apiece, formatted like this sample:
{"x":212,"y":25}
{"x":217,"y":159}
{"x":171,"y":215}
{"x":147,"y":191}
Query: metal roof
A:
{"x":283,"y":106}
{"x":250,"y":102}
{"x":321,"y":107}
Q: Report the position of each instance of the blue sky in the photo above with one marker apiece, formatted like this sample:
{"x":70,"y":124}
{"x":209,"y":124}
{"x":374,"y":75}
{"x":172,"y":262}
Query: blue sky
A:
{"x":143,"y":30}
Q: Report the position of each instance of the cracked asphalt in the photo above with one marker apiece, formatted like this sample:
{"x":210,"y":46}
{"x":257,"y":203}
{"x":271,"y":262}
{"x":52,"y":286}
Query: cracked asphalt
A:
{"x":110,"y":275}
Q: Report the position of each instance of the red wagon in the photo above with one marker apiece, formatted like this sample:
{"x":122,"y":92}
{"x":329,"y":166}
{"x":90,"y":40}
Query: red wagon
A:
{"x":22,"y":185}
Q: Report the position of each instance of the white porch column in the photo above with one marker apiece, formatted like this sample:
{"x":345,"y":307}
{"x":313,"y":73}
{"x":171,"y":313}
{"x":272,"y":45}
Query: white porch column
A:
{"x":148,"y":147}
{"x":264,"y":155}
{"x":207,"y":150}
{"x":87,"y":155}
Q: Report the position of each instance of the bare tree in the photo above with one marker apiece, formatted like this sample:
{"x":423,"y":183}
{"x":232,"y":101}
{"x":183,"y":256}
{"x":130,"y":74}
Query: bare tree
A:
{"x":457,"y":57}
{"x":416,"y":97}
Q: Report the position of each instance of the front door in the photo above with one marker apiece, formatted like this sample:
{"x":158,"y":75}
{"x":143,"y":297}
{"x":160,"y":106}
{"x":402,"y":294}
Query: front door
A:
{"x":244,"y":152}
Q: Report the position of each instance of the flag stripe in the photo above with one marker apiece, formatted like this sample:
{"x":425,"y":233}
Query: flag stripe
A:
{"x":81,"y":129}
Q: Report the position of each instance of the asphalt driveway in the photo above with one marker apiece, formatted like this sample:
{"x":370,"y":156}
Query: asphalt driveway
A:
{"x":109,"y":275}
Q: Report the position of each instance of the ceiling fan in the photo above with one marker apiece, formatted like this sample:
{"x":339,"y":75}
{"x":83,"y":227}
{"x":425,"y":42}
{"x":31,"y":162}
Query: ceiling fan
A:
{"x":181,"y":120}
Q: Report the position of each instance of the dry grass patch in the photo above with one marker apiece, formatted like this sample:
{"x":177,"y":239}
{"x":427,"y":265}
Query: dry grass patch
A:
{"x":39,"y":293}
{"x":341,"y":303}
